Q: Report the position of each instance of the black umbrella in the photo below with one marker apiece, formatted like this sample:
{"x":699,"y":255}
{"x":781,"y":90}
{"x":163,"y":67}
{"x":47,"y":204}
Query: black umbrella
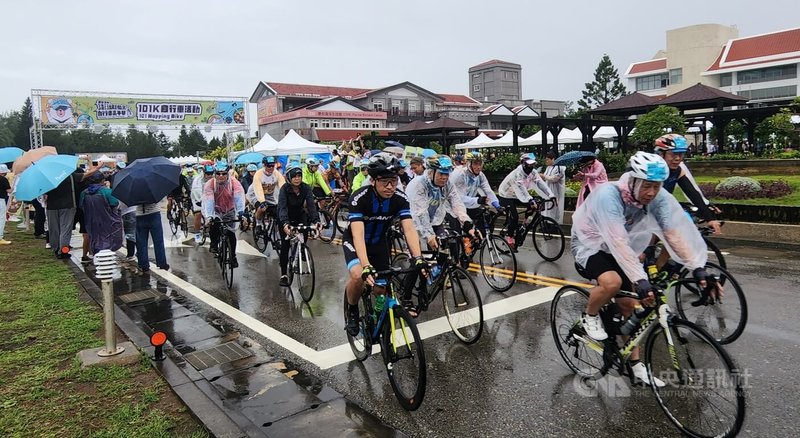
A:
{"x":146,"y":181}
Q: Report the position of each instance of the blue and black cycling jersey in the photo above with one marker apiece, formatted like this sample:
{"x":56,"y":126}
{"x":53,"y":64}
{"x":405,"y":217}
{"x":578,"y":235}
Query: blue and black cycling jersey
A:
{"x":376,"y":213}
{"x":676,"y":178}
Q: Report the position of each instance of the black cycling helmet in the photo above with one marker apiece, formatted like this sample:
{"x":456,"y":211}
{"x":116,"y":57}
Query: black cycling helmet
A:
{"x":383,"y":165}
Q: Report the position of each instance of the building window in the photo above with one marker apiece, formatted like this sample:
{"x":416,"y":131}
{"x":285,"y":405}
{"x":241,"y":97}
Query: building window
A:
{"x":336,"y":124}
{"x":377,"y":105}
{"x":412,"y":106}
{"x":476,"y":87}
{"x":313,"y":123}
{"x":395,"y":108}
{"x":376,"y":124}
{"x":769,"y":93}
{"x":767,"y":74}
{"x":427,"y":108}
{"x":476,"y":75}
{"x":676,"y":76}
{"x":726,"y":79}
{"x":354,"y":123}
{"x":365,"y":123}
{"x":652,"y":82}
{"x":325,"y":123}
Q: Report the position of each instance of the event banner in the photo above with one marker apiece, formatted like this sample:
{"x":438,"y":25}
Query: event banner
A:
{"x":71,"y":110}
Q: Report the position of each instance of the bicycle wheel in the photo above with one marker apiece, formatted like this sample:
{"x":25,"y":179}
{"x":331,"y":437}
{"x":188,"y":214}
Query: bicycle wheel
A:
{"x":724,"y":319}
{"x":222,"y":256}
{"x":361,"y":344}
{"x":498,"y":263}
{"x":173,"y":224}
{"x":229,"y":261}
{"x":342,"y":217}
{"x":583,"y":355}
{"x":184,"y":223}
{"x":548,"y":239}
{"x":203,"y":231}
{"x":712,"y":248}
{"x":404,"y":357}
{"x":462,"y":305}
{"x":304,"y":263}
{"x":260,"y":237}
{"x":703,"y":396}
{"x":328,"y":231}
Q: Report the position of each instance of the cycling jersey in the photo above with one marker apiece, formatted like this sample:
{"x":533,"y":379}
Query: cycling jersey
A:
{"x":682,"y":177}
{"x":376,"y":213}
{"x":517,"y":183}
{"x":316,"y":180}
{"x":467,"y":184}
{"x":266,"y":186}
{"x":430,"y":204}
{"x":613,"y":222}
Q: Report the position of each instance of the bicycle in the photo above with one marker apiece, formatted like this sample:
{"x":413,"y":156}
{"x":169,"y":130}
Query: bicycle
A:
{"x":268,"y":232}
{"x":548,"y":239}
{"x":461,"y":300}
{"x":225,"y":251}
{"x":706,"y":231}
{"x":203,"y":230}
{"x":497,"y":259}
{"x":301,"y":263}
{"x":328,"y":216}
{"x":178,"y":216}
{"x":395,"y":332}
{"x":673,"y":351}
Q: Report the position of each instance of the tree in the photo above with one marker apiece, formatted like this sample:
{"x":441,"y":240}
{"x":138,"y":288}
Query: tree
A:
{"x":197,"y":142}
{"x":605,"y":87}
{"x":777,"y":130}
{"x":214,"y":143}
{"x":657,"y":122}
{"x":529,"y":130}
{"x":22,"y":135}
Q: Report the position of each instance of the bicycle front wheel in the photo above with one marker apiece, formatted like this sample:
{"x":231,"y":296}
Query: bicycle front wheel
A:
{"x":173,"y":225}
{"x":462,"y":305}
{"x":259,"y":237}
{"x":304,"y":263}
{"x":583,"y":355}
{"x":203,"y":231}
{"x":404,"y":357}
{"x":328,"y":231}
{"x":548,"y":239}
{"x":361,"y":344}
{"x":703,"y":395}
{"x":723,"y":318}
{"x":498,"y":263}
{"x":184,"y":223}
{"x":715,"y":253}
{"x":342,"y":217}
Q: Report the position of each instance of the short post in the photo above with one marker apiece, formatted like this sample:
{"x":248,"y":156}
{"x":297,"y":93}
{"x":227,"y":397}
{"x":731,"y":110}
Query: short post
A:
{"x":106,"y":263}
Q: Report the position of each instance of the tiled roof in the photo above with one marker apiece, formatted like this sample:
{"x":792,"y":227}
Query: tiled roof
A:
{"x":646,"y":66}
{"x":699,"y":93}
{"x":319,"y":91}
{"x":633,"y":100}
{"x":776,"y":46}
{"x":494,"y":61}
{"x":459,"y":99}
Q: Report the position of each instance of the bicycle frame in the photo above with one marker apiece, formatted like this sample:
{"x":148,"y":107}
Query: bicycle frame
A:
{"x":388,"y":310}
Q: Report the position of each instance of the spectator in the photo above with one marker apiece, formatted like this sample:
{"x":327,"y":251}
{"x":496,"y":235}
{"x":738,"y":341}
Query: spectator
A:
{"x":148,"y":224}
{"x":417,"y":166}
{"x":592,"y":173}
{"x":102,"y":220}
{"x":62,"y":207}
{"x":555,"y":177}
{"x":5,"y":190}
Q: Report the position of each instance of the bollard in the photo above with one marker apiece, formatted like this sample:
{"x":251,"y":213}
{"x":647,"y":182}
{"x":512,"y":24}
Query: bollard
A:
{"x":106,"y":263}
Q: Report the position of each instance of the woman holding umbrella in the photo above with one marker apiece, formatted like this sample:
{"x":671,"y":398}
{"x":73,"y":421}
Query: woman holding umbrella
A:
{"x":592,"y":173}
{"x":101,"y":215}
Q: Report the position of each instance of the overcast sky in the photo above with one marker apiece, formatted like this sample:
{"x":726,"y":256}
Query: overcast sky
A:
{"x":225,"y":47}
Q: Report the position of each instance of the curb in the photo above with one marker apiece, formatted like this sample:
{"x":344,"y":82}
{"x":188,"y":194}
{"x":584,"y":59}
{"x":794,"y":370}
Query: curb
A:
{"x":216,"y":421}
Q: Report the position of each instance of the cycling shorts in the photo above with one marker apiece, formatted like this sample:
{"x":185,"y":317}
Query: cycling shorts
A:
{"x":600,"y":263}
{"x":378,"y":255}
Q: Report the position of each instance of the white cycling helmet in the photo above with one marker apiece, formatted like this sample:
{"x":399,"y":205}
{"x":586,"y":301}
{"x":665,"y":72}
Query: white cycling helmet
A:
{"x":649,"y":167}
{"x":311,"y":161}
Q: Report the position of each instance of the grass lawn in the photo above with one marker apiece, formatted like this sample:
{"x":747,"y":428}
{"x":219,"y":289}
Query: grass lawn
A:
{"x":792,"y":199}
{"x":43,"y":390}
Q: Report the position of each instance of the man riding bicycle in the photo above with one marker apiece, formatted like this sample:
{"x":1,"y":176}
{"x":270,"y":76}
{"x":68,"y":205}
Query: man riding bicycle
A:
{"x":365,"y":245}
{"x":263,"y":193}
{"x":198,"y":185}
{"x":223,"y":200}
{"x":514,"y":190}
{"x":467,"y":180}
{"x":179,"y":193}
{"x":312,"y":176}
{"x":296,"y":206}
{"x":614,"y":226}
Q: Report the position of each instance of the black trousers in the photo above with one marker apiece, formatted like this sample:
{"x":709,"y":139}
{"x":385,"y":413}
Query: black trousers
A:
{"x":39,"y":218}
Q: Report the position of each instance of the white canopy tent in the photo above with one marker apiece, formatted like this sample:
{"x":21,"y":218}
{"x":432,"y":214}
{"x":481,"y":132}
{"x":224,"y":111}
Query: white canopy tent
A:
{"x":481,"y":141}
{"x":293,"y":144}
{"x":605,"y":133}
{"x":187,"y":159}
{"x":570,"y":136}
{"x":266,"y":144}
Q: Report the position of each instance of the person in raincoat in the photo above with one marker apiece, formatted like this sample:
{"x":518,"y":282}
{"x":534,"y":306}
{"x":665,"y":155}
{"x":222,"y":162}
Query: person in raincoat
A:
{"x":514,"y":190}
{"x":223,"y":200}
{"x":555,"y":177}
{"x":591,"y":175}
{"x":101,"y":214}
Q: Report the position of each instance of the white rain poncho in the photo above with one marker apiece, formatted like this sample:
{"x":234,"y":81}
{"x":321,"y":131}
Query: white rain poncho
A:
{"x":555,"y":177}
{"x":430,"y":204}
{"x":467,"y":184}
{"x":517,"y":183}
{"x":612,"y":221}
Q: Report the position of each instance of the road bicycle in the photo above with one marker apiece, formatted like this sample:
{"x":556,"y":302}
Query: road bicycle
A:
{"x":329,"y":216}
{"x":707,"y":231}
{"x":178,"y":217}
{"x":461,"y":299}
{"x":225,"y":253}
{"x":394,"y":331}
{"x":703,"y":395}
{"x":548,"y":239}
{"x":268,"y":232}
{"x":301,"y":263}
{"x":497,"y":260}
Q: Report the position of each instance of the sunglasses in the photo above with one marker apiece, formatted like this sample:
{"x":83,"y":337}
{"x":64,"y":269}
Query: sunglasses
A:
{"x":221,"y":173}
{"x":270,"y":165}
{"x":386,"y":182}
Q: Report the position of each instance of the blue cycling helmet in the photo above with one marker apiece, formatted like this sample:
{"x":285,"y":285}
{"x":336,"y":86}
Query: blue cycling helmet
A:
{"x":121,"y":165}
{"x":252,"y":168}
{"x":528,"y":158}
{"x":268,"y":160}
{"x":671,"y":142}
{"x":221,"y":166}
{"x":293,"y":168}
{"x":649,"y":167}
{"x":208,"y":168}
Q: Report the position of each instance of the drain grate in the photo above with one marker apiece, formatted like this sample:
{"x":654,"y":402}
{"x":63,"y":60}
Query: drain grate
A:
{"x":135,"y":297}
{"x":220,"y":354}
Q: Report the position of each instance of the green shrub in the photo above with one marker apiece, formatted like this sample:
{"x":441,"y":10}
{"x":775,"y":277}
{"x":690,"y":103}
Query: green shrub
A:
{"x":570,"y":192}
{"x":614,"y":162}
{"x":502,"y":164}
{"x":738,"y":187}
{"x":788,"y":155}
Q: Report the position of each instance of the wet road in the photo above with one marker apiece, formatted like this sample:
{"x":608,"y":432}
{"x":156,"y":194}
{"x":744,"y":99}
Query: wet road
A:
{"x":512,"y":382}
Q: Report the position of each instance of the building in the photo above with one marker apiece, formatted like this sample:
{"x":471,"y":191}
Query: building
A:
{"x":762,"y":68}
{"x":495,"y":81}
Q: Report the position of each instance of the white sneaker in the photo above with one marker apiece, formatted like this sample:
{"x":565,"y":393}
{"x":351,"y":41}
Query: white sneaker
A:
{"x":14,"y":218}
{"x":22,"y":226}
{"x":47,"y":246}
{"x":640,"y":373}
{"x":593,"y":326}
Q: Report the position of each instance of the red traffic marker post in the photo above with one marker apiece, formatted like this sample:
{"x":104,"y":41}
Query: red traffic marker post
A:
{"x":158,"y":339}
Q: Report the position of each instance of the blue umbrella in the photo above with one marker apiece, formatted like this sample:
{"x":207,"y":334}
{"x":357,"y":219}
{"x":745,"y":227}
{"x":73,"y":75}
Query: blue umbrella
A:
{"x":45,"y":175}
{"x":10,"y":154}
{"x":428,"y":152}
{"x":572,"y":157}
{"x":249,"y":157}
{"x":146,"y":181}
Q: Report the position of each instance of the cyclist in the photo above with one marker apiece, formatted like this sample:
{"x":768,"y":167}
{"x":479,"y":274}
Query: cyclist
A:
{"x":467,"y":180}
{"x":313,"y":177}
{"x":248,"y":178}
{"x":296,"y":206}
{"x":672,"y":147}
{"x":266,"y":183}
{"x":360,"y":178}
{"x":514,"y":190}
{"x":615,"y":225}
{"x":365,"y":246}
{"x":334,"y":177}
{"x":179,"y":193}
{"x":223,"y":200}
{"x":198,"y":183}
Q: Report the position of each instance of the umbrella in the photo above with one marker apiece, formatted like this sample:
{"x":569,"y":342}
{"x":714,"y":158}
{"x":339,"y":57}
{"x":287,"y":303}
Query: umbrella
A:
{"x":428,"y":152}
{"x":572,"y":157}
{"x":146,"y":181}
{"x":30,"y":156}
{"x":45,"y":175}
{"x":394,"y":147}
{"x":249,"y":157}
{"x":10,"y":154}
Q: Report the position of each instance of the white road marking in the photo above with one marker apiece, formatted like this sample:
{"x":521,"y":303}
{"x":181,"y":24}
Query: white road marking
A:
{"x":243,"y":247}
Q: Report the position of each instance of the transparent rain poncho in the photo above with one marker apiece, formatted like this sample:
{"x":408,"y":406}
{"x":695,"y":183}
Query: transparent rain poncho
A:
{"x":517,"y":183}
{"x":430,"y":204}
